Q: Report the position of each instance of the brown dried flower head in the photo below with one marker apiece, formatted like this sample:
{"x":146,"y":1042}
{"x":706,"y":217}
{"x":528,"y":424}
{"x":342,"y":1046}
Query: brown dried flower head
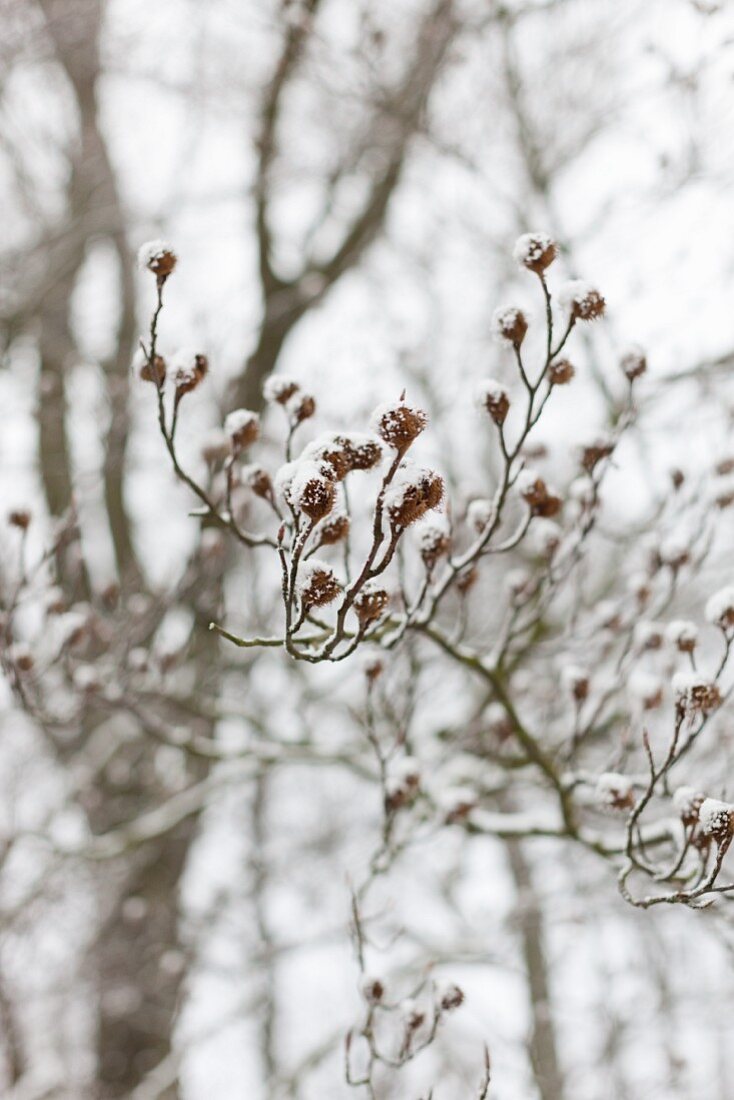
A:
{"x":333,"y":530}
{"x":599,"y":448}
{"x":317,"y":585}
{"x":154,"y":371}
{"x":20,"y":518}
{"x":633,"y":363}
{"x":370,"y":603}
{"x":582,"y":301}
{"x":510,"y":324}
{"x":258,"y":479}
{"x":561,"y":372}
{"x":399,"y":424}
{"x":535,"y":251}
{"x":279,"y":390}
{"x":495,"y":399}
{"x":301,"y":407}
{"x":412,"y":495}
{"x":158,"y":257}
{"x":190,"y":368}
{"x":243,"y":428}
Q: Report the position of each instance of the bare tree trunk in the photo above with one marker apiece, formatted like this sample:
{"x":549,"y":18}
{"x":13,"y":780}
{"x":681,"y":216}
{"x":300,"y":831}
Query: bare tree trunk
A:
{"x":542,"y":1046}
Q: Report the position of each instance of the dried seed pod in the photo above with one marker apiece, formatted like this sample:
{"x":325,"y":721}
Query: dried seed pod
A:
{"x":720,"y":608}
{"x":190,"y":368}
{"x":412,"y":494}
{"x":279,"y":390}
{"x":695,"y":694}
{"x":316,"y":584}
{"x":633,"y":363}
{"x":370,"y":602}
{"x":158,"y":257}
{"x":20,"y":518}
{"x":561,"y":372}
{"x":494,"y":398}
{"x":399,"y":424}
{"x":243,"y":428}
{"x":334,"y":529}
{"x":688,"y":801}
{"x":535,"y":251}
{"x":312,"y":490}
{"x":257,"y":479}
{"x":581,"y":300}
{"x":510,"y":324}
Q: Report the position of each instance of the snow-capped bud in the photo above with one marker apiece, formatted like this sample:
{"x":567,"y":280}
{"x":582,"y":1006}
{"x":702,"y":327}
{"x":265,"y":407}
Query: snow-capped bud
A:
{"x":399,"y":424}
{"x":648,"y":635}
{"x":215,"y":447}
{"x":518,"y":582}
{"x":545,"y":536}
{"x":593,"y":452}
{"x":21,"y":656}
{"x":457,"y":803}
{"x":373,"y":668}
{"x":581,"y":300}
{"x":434,"y":539}
{"x":20,"y":518}
{"x":577,"y":681}
{"x":258,"y":479}
{"x":510,"y":324}
{"x":54,"y":601}
{"x":402,"y":783}
{"x":413,"y":493}
{"x":615,"y":791}
{"x":316,"y":584}
{"x":278,"y":389}
{"x":370,"y":602}
{"x":189,"y":369}
{"x":86,"y":679}
{"x":479,"y":512}
{"x":682,"y":634}
{"x":364,"y":450}
{"x":328,"y":448}
{"x":687,"y":802}
{"x":494,"y":398}
{"x":720,"y":608}
{"x":694,"y":694}
{"x":312,"y":490}
{"x":413,"y":1016}
{"x":499,"y":724}
{"x":674,"y":552}
{"x":633,"y":362}
{"x":301,"y":406}
{"x":716,"y":819}
{"x":646,"y":689}
{"x":723,"y":493}
{"x":243,"y":428}
{"x":535,"y":251}
{"x":373,"y":989}
{"x":466,"y":579}
{"x":334,"y":529}
{"x":158,"y":257}
{"x":534,"y":491}
{"x":561,"y":372}
{"x":449,"y":997}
